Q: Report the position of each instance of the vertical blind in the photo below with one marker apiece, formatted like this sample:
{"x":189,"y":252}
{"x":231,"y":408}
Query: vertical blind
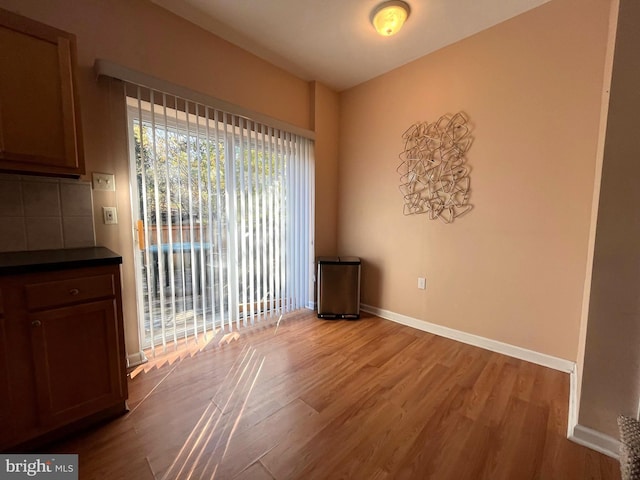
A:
{"x":224,"y":210}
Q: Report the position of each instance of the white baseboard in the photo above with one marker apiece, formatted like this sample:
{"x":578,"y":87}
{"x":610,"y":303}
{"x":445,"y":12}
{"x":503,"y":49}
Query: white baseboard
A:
{"x":595,"y":440}
{"x":520,"y":353}
{"x":572,"y":419}
{"x":136,"y":359}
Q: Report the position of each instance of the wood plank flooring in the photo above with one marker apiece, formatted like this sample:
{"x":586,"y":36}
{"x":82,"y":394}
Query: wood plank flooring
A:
{"x":318,"y":399}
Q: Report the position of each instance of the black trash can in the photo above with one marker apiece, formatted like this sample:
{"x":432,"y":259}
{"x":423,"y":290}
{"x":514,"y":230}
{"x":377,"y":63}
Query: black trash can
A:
{"x":338,"y":287}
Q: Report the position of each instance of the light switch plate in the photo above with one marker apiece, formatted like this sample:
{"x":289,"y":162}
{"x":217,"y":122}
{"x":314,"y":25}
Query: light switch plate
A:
{"x":104,"y":181}
{"x":110,"y":215}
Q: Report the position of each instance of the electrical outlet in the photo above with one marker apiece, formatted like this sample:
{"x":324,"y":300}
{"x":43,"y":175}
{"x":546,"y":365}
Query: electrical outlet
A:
{"x":104,"y":181}
{"x":110,"y":215}
{"x":422,"y":283}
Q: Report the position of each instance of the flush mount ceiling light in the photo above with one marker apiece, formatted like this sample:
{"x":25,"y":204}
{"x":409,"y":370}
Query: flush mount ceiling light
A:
{"x":388,"y":17}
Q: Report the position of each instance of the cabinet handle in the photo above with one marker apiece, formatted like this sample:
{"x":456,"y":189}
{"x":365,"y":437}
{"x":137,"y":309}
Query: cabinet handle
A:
{"x":74,"y":291}
{"x":36,"y":323}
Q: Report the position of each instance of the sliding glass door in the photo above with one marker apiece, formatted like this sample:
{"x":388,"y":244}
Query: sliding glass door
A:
{"x":224,"y":210}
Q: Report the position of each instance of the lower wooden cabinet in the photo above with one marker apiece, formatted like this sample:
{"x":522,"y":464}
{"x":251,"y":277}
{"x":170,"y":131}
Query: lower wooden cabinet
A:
{"x":5,"y":413}
{"x":62,"y":337}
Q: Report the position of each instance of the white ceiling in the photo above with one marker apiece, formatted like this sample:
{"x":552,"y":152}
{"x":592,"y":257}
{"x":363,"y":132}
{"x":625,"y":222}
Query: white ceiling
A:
{"x":332,"y":41}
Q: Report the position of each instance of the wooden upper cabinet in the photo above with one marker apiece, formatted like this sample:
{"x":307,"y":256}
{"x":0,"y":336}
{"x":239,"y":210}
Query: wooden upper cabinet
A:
{"x":40,"y":129}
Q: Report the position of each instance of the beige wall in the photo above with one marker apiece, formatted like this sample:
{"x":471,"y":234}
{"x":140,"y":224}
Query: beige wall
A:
{"x":513,"y":269}
{"x":142,"y":36}
{"x":611,"y":378}
{"x":325,"y":118}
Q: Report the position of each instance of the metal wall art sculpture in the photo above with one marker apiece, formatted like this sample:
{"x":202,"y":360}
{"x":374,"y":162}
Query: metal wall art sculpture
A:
{"x":433,"y":176}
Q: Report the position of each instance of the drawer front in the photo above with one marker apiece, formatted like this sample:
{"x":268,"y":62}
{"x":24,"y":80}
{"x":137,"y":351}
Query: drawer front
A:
{"x":65,"y":292}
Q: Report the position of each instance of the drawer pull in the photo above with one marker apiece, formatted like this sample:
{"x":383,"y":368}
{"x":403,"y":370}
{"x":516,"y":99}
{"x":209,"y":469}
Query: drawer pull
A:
{"x":74,"y":291}
{"x":36,"y":323}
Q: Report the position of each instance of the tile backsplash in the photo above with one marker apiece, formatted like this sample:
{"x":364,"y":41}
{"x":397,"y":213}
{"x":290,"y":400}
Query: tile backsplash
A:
{"x":40,"y":213}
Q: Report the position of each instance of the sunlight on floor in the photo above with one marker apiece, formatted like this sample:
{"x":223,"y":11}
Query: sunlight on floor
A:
{"x":207,"y":444}
{"x":174,"y":352}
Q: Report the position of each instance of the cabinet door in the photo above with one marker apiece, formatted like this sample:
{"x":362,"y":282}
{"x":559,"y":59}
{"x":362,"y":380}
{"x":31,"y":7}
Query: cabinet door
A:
{"x":77,"y":361}
{"x":4,"y":380}
{"x":39,"y":112}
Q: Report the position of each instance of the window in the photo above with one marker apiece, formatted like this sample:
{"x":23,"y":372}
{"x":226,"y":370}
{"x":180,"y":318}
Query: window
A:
{"x":224,"y":210}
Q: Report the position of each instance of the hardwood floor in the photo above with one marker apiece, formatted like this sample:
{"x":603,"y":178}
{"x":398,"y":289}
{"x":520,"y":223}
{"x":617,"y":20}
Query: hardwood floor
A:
{"x":318,"y":399}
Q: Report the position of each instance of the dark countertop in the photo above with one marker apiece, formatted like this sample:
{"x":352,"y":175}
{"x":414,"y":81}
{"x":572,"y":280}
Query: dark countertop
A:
{"x":12,"y":263}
